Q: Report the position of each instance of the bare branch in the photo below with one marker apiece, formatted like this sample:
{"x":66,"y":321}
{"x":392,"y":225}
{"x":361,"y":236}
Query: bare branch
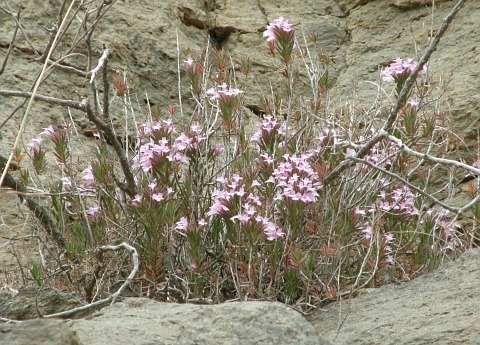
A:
{"x":68,"y":68}
{"x":107,"y":130}
{"x":106,"y":88}
{"x":3,"y":319}
{"x":38,"y":210}
{"x":19,"y":26}
{"x":111,"y":299}
{"x":405,"y":182}
{"x":13,"y":112}
{"x":402,"y":97}
{"x":10,"y":47}
{"x":101,"y":62}
{"x":48,"y":99}
{"x":434,"y":159}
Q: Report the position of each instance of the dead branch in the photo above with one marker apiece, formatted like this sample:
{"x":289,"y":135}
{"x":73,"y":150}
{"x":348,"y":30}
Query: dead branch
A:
{"x":402,"y":97}
{"x":112,"y":298}
{"x":38,"y":210}
{"x":10,"y":46}
{"x":106,"y":129}
{"x":405,"y":182}
{"x":48,"y":99}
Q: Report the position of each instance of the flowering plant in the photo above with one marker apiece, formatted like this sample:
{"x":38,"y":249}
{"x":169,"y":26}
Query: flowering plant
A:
{"x":220,"y":212}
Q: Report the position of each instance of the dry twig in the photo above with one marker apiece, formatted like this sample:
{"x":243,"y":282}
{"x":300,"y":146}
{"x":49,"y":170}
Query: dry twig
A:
{"x":402,"y":97}
{"x":112,"y":298}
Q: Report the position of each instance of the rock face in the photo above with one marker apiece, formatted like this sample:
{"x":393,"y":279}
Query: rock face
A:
{"x":143,"y":321}
{"x":143,"y":37}
{"x":38,"y":332}
{"x":23,"y":305}
{"x":439,"y":308}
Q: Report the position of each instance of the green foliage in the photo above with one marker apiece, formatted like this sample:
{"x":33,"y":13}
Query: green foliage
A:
{"x":222,"y":212}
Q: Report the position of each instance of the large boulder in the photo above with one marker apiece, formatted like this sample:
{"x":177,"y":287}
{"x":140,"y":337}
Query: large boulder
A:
{"x":143,"y":321}
{"x":438,"y":308}
{"x":38,"y":332}
{"x":29,"y":301}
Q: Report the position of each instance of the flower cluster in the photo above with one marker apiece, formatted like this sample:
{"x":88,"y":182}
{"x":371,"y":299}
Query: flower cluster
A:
{"x":194,"y":72}
{"x":387,"y":250}
{"x":237,"y":203}
{"x":269,"y":135}
{"x":280,"y":34}
{"x":228,"y":101}
{"x":277,"y":28}
{"x":224,"y":93}
{"x":437,"y":220}
{"x":295,"y":180}
{"x":88,"y":177}
{"x":189,"y":228}
{"x":158,"y":145}
{"x":400,"y":70}
{"x":160,"y":157}
{"x":155,"y":194}
{"x":399,"y":202}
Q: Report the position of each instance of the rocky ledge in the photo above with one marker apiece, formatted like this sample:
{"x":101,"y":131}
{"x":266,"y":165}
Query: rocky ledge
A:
{"x":437,"y":308}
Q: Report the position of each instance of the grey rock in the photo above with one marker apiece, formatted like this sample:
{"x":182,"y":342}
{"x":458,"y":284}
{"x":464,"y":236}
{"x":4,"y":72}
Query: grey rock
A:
{"x":23,"y":305}
{"x":143,"y":321}
{"x":38,"y":332}
{"x":438,"y":308}
{"x":409,"y":4}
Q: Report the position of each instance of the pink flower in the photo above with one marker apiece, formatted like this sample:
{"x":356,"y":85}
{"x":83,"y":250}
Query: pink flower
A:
{"x":351,"y":152}
{"x":93,"y":210}
{"x":389,"y":261}
{"x":48,"y":131}
{"x":400,"y":69}
{"x":137,"y":200}
{"x":413,"y":103}
{"x":367,"y":231}
{"x":217,"y":209}
{"x":67,"y":182}
{"x":269,"y":133}
{"x":224,"y":92}
{"x":243,"y":218}
{"x":255,"y":183}
{"x":182,"y":142}
{"x":389,"y":237}
{"x":189,"y":61}
{"x":266,"y":158}
{"x":182,"y":224}
{"x":272,"y":231}
{"x":34,"y":142}
{"x":275,"y":29}
{"x":158,"y":197}
{"x":359,"y":211}
{"x":218,"y":149}
{"x":88,"y":176}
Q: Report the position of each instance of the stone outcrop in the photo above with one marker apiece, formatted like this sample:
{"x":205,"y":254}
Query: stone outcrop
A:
{"x":438,"y":308}
{"x":38,"y":332}
{"x":30,"y":301}
{"x":143,"y":321}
